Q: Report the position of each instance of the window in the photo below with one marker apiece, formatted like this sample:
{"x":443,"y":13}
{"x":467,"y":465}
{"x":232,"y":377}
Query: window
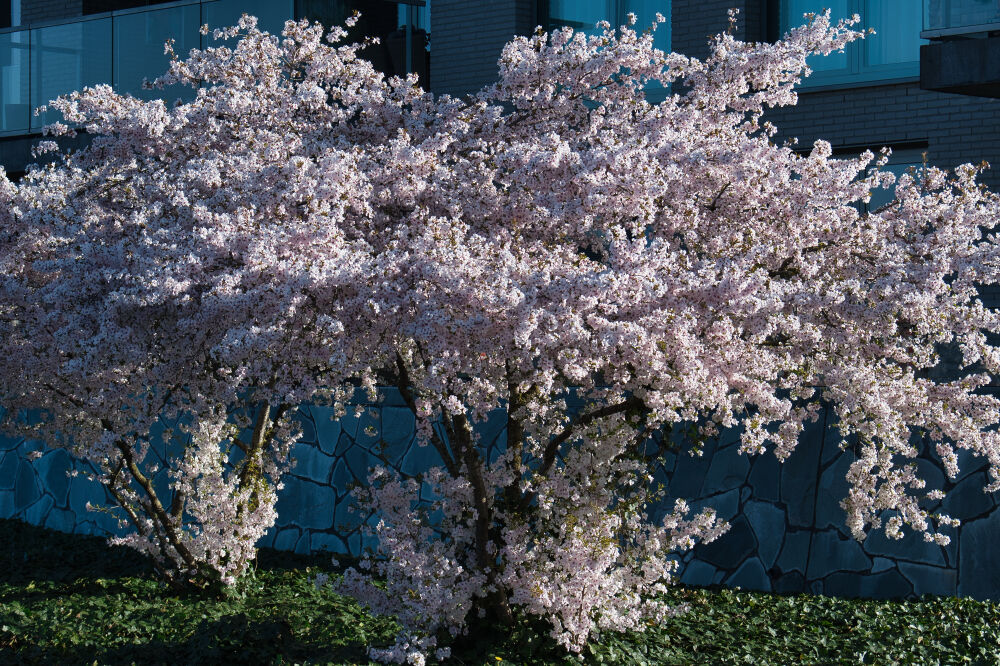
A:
{"x":585,"y":14}
{"x":892,"y":53}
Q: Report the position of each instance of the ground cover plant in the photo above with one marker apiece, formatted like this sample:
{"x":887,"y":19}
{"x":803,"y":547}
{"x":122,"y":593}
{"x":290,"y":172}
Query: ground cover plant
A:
{"x":601,"y":267}
{"x":72,"y":599}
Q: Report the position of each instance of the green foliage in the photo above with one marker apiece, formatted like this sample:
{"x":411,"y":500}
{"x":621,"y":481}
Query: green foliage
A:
{"x":71,"y":599}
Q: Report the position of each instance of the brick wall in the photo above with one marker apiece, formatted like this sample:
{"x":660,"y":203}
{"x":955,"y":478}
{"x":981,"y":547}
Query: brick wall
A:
{"x":37,"y":11}
{"x":468,"y":36}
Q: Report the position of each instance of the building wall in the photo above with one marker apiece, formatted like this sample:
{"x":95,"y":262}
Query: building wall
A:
{"x":39,"y":11}
{"x":787,"y":534}
{"x":467,"y":37}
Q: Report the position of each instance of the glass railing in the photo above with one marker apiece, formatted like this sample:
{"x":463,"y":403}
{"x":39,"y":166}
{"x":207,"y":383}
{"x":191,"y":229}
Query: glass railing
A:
{"x":123,"y":48}
{"x":955,"y":17}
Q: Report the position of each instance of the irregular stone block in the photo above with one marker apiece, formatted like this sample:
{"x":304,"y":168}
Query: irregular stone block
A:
{"x":833,"y":488}
{"x":342,"y":478}
{"x":53,"y":470}
{"x":978,"y":574}
{"x":880,"y":564}
{"x":726,"y":504}
{"x":311,"y":463}
{"x":911,"y":547}
{"x":321,"y":542}
{"x":8,"y":470}
{"x":768,"y":523}
{"x":829,"y":553}
{"x":885,"y":585}
{"x":60,"y":519}
{"x":26,"y":490}
{"x":286,"y":538}
{"x":6,"y":504}
{"x":730,"y":549}
{"x":799,"y":475}
{"x":790,"y":583}
{"x":310,"y":505}
{"x":728,"y":469}
{"x":697,"y":572}
{"x":750,"y":576}
{"x":764,"y":475}
{"x":930,"y":580}
{"x":328,"y":430}
{"x":82,"y":491}
{"x":967,"y":501}
{"x":39,"y":511}
{"x":689,"y":475}
{"x":794,"y":552}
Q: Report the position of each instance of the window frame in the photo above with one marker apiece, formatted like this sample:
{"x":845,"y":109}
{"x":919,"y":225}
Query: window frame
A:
{"x":858,"y":72}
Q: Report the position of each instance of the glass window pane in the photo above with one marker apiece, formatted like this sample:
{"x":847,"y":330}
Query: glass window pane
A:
{"x":897,"y":32}
{"x":15,"y":107}
{"x":581,"y":14}
{"x":793,"y":11}
{"x":645,"y":11}
{"x":65,"y":58}
{"x":139,"y":40}
{"x":271,"y":14}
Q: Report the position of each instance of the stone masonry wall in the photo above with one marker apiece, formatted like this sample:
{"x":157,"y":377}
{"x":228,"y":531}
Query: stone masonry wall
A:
{"x":788,"y":533}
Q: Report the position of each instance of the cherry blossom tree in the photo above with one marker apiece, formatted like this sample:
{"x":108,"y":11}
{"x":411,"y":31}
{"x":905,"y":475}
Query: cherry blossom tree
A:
{"x":600,"y":266}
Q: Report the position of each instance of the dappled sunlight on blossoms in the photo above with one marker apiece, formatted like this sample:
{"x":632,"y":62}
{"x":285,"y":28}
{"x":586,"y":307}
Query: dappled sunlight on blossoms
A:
{"x":601,"y":267}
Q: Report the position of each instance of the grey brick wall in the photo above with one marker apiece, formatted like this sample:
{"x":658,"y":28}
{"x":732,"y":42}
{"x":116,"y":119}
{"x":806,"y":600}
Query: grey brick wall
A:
{"x":694,"y":22}
{"x":37,"y":11}
{"x":468,"y":36}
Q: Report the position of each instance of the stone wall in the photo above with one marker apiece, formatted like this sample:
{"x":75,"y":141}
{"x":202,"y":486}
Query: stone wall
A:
{"x":788,"y":533}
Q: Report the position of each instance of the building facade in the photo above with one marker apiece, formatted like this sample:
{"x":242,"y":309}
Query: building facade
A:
{"x":924,"y":85}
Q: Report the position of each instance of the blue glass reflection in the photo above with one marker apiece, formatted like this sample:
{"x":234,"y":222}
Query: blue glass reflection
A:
{"x":139,"y":40}
{"x":15,"y":107}
{"x":65,"y":58}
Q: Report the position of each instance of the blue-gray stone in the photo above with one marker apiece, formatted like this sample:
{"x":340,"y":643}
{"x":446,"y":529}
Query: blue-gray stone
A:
{"x":311,"y":504}
{"x":302,"y":547}
{"x":730,"y":549}
{"x":344,"y":444}
{"x":26,"y":489}
{"x":750,"y":576}
{"x":311,"y":463}
{"x":690,"y":472}
{"x":62,"y":520}
{"x":978,"y":574}
{"x":398,"y":426}
{"x":53,"y":470}
{"x":349,"y":423}
{"x":833,"y":488}
{"x":342,"y":478}
{"x":728,"y":469}
{"x":911,"y":547}
{"x":327,"y":429}
{"x":880,"y":564}
{"x":286,"y":538}
{"x":369,"y":427}
{"x":726,"y":504}
{"x":307,"y":423}
{"x":360,"y":461}
{"x":930,"y":580}
{"x":320,"y":542}
{"x":768,"y":523}
{"x":83,"y":490}
{"x":829,"y":553}
{"x":794,"y":552}
{"x":419,"y":459}
{"x":7,"y":504}
{"x":790,"y":583}
{"x":39,"y":511}
{"x":345,"y":519}
{"x":798,"y":478}
{"x":8,"y":470}
{"x":764,"y":475}
{"x":10,"y":443}
{"x":885,"y":585}
{"x":967,"y":500}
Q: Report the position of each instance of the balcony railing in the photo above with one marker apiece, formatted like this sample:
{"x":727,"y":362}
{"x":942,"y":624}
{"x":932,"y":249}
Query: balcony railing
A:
{"x":945,"y":18}
{"x":41,"y":62}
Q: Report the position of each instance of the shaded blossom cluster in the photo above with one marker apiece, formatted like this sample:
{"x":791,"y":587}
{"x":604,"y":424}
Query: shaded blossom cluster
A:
{"x":601,"y":266}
